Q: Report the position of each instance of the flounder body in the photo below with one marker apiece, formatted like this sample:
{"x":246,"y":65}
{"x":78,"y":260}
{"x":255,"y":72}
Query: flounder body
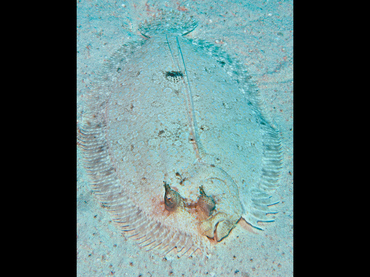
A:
{"x":174,"y":142}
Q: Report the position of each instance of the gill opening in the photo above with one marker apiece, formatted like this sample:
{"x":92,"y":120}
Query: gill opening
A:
{"x":189,"y":100}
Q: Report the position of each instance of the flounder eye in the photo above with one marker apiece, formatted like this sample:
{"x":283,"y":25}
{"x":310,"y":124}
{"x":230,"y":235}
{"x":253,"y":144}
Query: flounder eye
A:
{"x":172,"y":198}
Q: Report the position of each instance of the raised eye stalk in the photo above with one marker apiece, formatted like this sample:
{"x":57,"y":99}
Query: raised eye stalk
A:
{"x":172,"y":199}
{"x":205,"y":202}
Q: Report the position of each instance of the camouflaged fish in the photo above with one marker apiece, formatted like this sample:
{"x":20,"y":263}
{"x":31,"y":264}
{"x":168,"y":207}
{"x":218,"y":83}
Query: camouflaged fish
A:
{"x":174,"y":142}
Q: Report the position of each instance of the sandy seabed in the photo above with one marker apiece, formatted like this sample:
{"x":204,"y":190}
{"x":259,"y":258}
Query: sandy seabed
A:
{"x":260,"y":34}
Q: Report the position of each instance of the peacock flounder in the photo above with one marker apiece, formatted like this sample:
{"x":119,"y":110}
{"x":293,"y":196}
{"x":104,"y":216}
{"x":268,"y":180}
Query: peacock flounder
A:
{"x":174,"y":142}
